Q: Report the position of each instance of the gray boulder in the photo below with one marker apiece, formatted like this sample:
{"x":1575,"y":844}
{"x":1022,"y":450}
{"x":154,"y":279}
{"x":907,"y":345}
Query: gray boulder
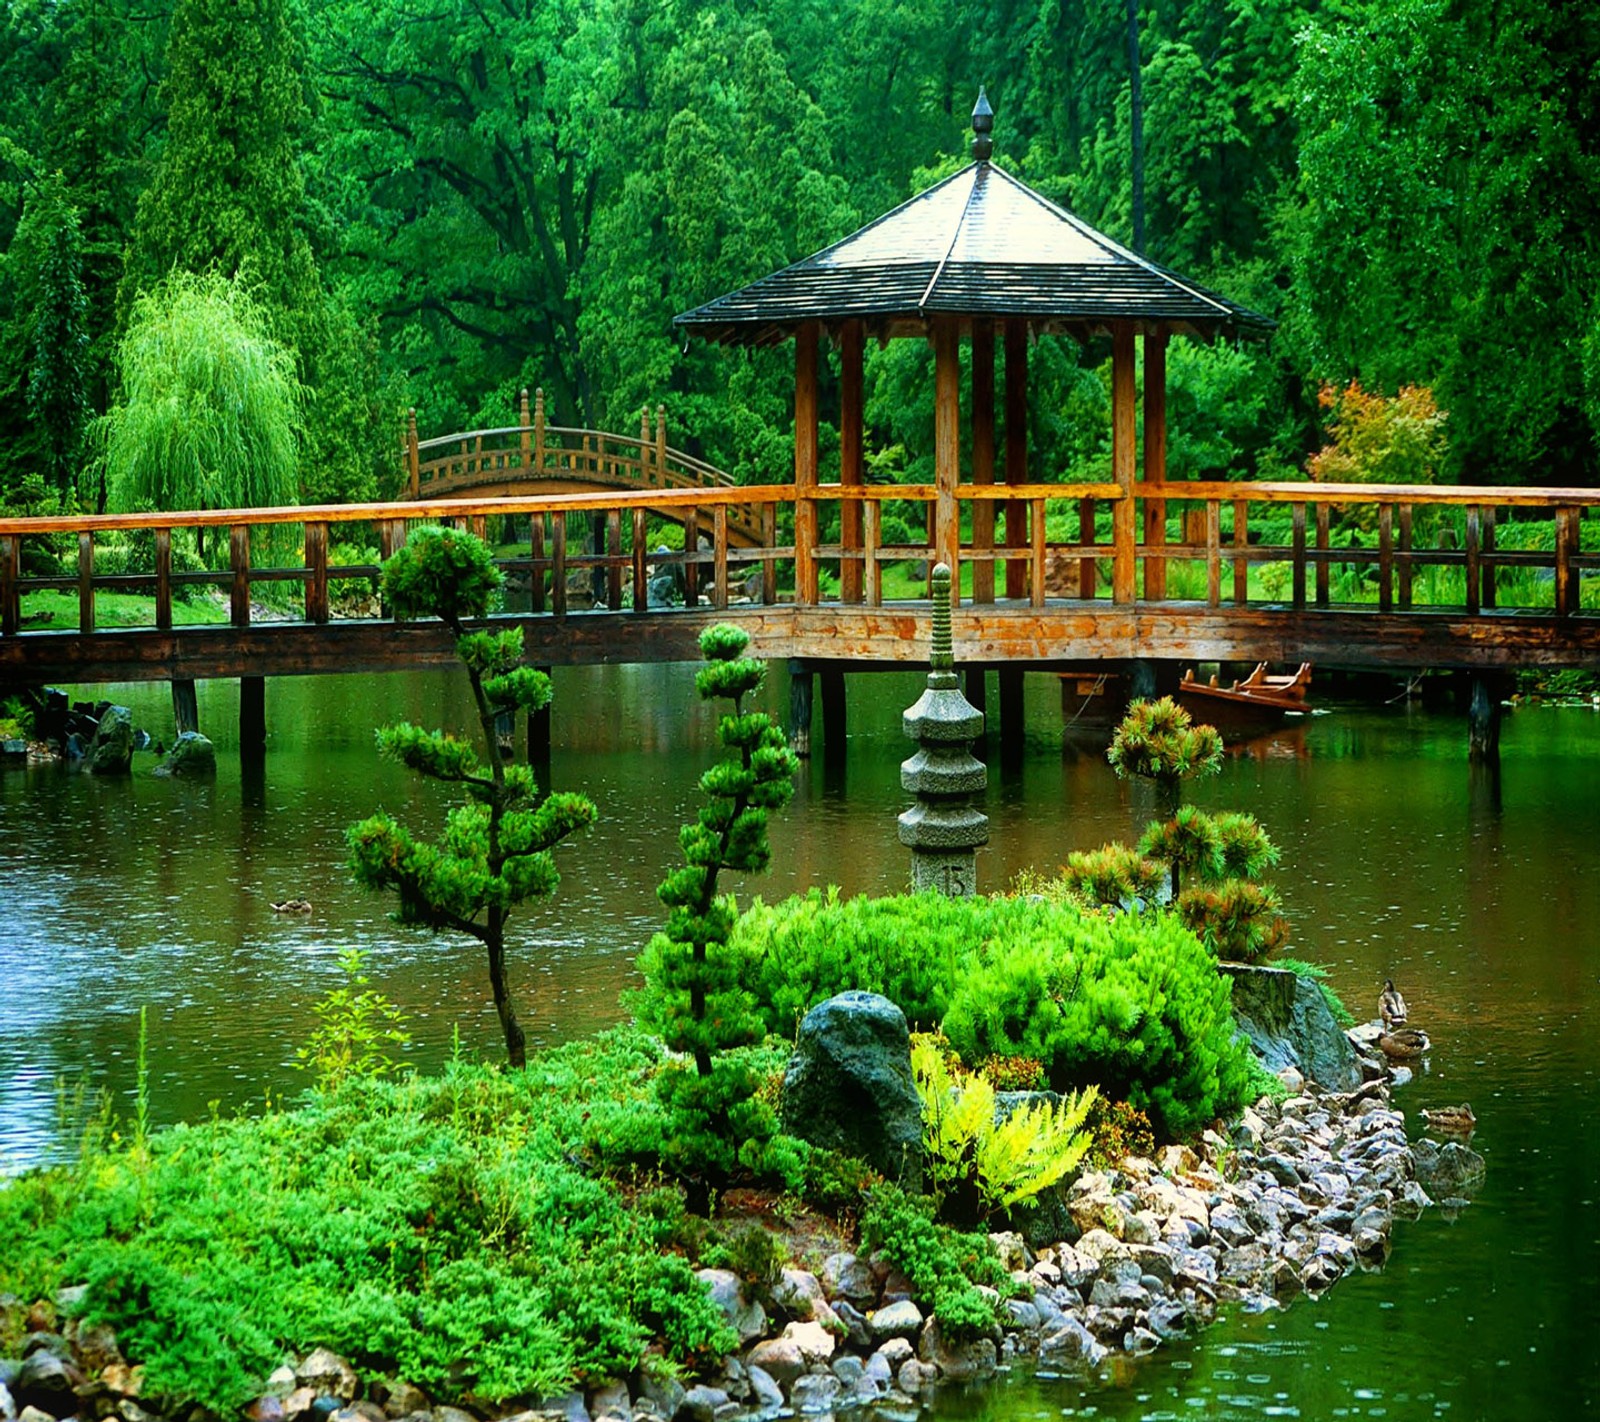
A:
{"x":1447,"y":1171}
{"x":191,"y":754}
{"x":849,"y":1085}
{"x":111,"y":751}
{"x":1287,"y":1020}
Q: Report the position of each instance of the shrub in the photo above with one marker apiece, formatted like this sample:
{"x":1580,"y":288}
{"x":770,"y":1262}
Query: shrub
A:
{"x":356,"y":1027}
{"x":1113,"y":876}
{"x":1130,"y":1003}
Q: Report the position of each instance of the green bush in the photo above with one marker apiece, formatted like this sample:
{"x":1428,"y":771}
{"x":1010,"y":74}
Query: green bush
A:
{"x":1129,"y":1002}
{"x":439,"y":1228}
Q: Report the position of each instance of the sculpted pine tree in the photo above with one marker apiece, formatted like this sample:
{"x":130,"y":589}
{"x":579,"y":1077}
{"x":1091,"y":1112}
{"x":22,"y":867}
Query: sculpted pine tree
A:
{"x":496,"y":849}
{"x":693,"y":995}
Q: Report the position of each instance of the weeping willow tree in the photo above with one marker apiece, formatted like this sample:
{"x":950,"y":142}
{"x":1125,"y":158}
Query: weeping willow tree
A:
{"x":211,"y":413}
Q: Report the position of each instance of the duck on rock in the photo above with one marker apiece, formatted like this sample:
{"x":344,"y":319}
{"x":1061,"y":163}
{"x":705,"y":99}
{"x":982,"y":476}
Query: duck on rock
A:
{"x":1391,"y":1006}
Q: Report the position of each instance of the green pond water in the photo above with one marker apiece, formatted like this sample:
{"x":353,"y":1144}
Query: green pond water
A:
{"x":1480,"y":898}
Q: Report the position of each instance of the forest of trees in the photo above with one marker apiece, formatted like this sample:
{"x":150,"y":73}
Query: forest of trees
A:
{"x":435,"y":203}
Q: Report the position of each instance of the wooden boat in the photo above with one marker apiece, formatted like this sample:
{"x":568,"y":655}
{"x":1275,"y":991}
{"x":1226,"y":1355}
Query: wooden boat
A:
{"x":1258,"y":703}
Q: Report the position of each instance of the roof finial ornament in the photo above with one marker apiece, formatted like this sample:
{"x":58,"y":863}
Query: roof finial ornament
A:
{"x":982,"y":127}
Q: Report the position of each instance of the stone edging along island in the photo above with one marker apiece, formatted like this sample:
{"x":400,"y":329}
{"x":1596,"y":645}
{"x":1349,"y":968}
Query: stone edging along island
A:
{"x":1298,"y":1194}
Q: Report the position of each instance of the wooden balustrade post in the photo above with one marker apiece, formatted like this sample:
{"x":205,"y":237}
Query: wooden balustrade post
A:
{"x":661,"y":444}
{"x":1488,"y":559}
{"x":641,"y":579}
{"x":86,"y":582}
{"x":317,"y":606}
{"x":1155,"y":458}
{"x":413,"y":454}
{"x":537,"y":560}
{"x":1037,"y":531}
{"x":1123,"y":537}
{"x":1241,"y":562}
{"x":1385,"y":557}
{"x":558,"y":566}
{"x":852,"y":468}
{"x":691,"y":556}
{"x":1403,"y":558}
{"x":719,"y":586}
{"x":1297,"y":567}
{"x":646,"y":445}
{"x":1213,"y":553}
{"x":805,"y":463}
{"x":163,"y":579}
{"x":1322,"y":561}
{"x":10,"y":580}
{"x":983,"y":459}
{"x":239,"y":561}
{"x":391,"y":539}
{"x":1474,"y":566}
{"x":538,"y":432}
{"x":769,"y":566}
{"x":1088,"y":573}
{"x":1567,"y":586}
{"x":871,"y":541}
{"x":614,"y":559}
{"x":525,"y":424}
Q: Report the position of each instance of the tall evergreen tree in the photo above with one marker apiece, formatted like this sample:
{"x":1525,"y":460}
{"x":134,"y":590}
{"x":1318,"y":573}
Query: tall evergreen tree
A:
{"x":59,"y":348}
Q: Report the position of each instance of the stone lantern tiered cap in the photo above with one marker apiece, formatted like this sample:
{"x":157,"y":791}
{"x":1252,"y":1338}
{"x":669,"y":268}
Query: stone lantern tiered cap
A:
{"x":980,"y":244}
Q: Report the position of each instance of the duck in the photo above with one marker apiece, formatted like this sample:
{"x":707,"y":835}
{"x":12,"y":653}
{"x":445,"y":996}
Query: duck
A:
{"x":1403,"y":1043}
{"x":1451,"y":1120}
{"x":292,"y":906}
{"x":1391,"y":1006}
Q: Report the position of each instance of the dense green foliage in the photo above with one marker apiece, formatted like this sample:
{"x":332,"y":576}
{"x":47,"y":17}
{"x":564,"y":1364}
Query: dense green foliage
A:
{"x":1130,"y":1003}
{"x":496,"y":851}
{"x":1158,"y":741}
{"x":693,"y":993}
{"x":444,"y":213}
{"x":433,"y":1228}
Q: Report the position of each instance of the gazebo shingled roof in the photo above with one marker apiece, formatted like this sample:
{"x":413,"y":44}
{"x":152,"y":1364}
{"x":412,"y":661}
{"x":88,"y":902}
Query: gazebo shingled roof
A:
{"x":979,"y":257}
{"x":980,"y":243}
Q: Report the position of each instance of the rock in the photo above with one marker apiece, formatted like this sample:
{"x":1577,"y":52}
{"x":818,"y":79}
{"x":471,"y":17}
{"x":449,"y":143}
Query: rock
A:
{"x":401,"y":1399}
{"x":609,"y":1399}
{"x":854,"y":1321}
{"x":814,"y":1392}
{"x":849,"y":1086}
{"x":111,"y":750}
{"x":815,"y":1343}
{"x":748,"y":1318}
{"x":844,"y":1276}
{"x":914,"y":1375}
{"x":1287,"y":1020}
{"x":1447,"y":1170}
{"x":267,"y":1408}
{"x":452,"y":1414}
{"x":566,"y":1406}
{"x":779,"y":1358}
{"x":280,"y":1382}
{"x":766,"y":1393}
{"x":1072,"y":1343}
{"x":191,"y":754}
{"x":700,"y":1403}
{"x":1140,"y":1341}
{"x":895,"y":1351}
{"x":13,"y":752}
{"x":325,"y":1372}
{"x":798,"y":1293}
{"x":848,"y":1368}
{"x":1010,"y":1250}
{"x":958,"y":1361}
{"x":47,"y":1343}
{"x":35,"y":1414}
{"x":664,"y":1393}
{"x":1022,"y":1315}
{"x":1099,"y":1246}
{"x":8,"y":1406}
{"x":41,"y":1317}
{"x":362,"y":1411}
{"x":48,"y":1383}
{"x":896,"y":1320}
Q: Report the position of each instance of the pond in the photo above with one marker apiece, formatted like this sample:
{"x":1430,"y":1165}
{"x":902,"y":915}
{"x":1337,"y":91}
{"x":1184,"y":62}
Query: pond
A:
{"x":1477,"y":894}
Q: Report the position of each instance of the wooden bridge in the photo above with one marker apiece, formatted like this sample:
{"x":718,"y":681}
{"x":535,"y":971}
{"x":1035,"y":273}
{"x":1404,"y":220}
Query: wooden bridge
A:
{"x":536,"y":457}
{"x":1356,"y":576}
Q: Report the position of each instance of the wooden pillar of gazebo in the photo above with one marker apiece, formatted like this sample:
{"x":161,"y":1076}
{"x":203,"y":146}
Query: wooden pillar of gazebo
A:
{"x":982,"y":456}
{"x":1123,"y":539}
{"x":805,"y":463}
{"x":1016,"y":466}
{"x":947,"y":448}
{"x":1155,"y":457}
{"x":852,"y":351}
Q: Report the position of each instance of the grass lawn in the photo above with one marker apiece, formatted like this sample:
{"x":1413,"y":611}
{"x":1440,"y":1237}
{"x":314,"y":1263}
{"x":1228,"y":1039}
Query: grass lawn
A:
{"x":112,"y":609}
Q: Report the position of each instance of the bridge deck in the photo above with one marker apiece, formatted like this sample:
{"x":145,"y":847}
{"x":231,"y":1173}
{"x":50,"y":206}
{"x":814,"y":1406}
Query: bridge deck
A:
{"x":1279,"y":588}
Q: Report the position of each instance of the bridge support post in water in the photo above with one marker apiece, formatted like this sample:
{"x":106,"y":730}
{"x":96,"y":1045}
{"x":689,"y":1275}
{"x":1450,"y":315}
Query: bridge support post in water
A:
{"x":252,"y":715}
{"x":800,"y":679}
{"x":977,"y":687}
{"x":185,"y":709}
{"x":1483,"y":719}
{"x":833,"y":713}
{"x":1013,"y":724}
{"x":539,"y":740}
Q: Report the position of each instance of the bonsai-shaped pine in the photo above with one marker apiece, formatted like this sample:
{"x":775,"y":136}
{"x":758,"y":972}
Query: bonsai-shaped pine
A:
{"x":1221,"y":856}
{"x":495,"y":852}
{"x":693,"y":995}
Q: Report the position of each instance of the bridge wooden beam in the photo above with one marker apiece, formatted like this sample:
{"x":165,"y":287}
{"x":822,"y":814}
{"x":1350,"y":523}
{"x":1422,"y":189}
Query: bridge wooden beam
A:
{"x":805,"y":462}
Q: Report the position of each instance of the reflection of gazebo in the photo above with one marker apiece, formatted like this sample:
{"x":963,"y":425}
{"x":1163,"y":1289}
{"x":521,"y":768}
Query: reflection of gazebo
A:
{"x":978,"y":251}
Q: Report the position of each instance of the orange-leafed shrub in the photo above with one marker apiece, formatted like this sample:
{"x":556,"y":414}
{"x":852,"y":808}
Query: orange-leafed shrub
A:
{"x":1379,"y":439}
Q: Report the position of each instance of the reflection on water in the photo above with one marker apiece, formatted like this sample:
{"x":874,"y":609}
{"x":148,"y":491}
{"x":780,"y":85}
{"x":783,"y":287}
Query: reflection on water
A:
{"x":1475,"y":891}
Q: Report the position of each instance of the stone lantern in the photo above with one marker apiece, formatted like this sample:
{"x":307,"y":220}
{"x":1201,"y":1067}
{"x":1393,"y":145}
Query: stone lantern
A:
{"x":943,"y":830}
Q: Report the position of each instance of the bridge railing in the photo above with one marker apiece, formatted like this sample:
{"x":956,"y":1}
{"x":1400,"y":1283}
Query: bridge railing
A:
{"x":1299,"y":547}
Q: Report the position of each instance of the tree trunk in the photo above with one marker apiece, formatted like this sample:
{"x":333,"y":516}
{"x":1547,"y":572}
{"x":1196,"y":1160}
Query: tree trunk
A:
{"x":516,"y":1041}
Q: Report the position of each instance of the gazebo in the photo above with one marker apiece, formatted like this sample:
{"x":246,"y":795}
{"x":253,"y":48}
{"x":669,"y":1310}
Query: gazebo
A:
{"x":978,"y":256}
